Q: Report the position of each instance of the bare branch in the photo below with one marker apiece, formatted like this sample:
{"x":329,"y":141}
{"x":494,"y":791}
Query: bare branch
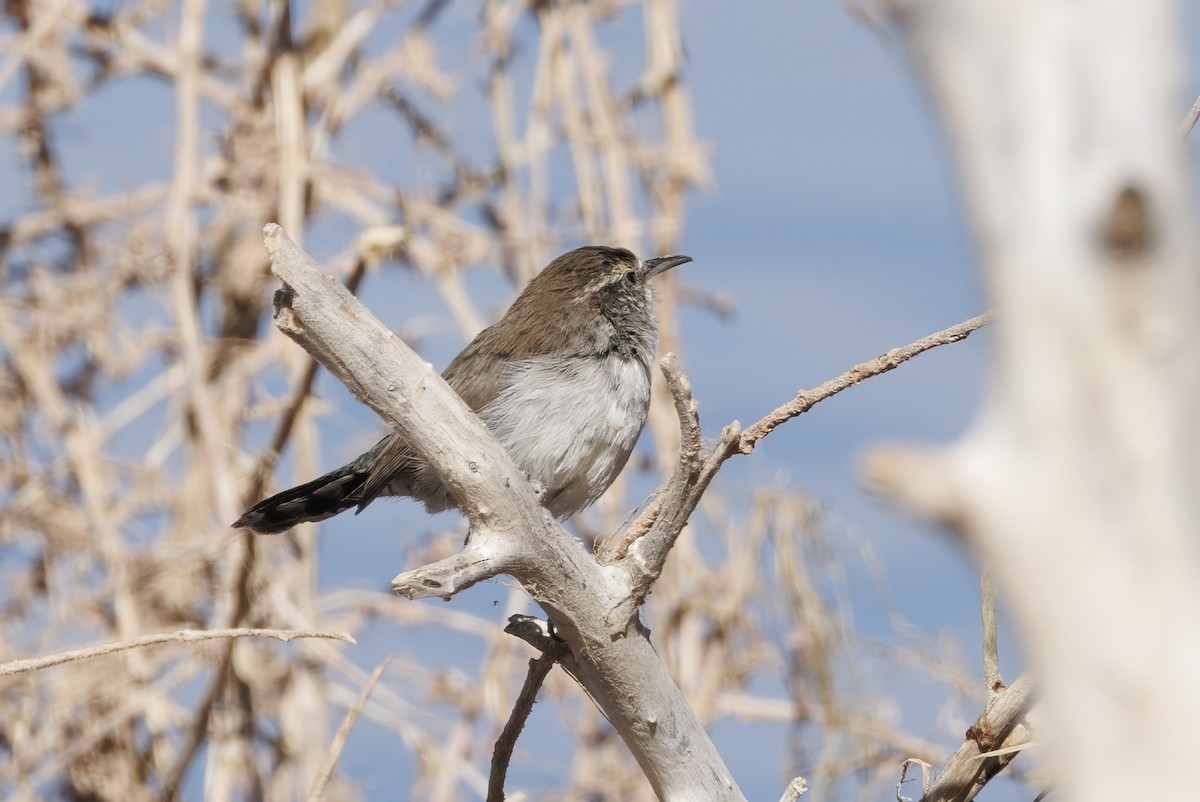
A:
{"x":539,"y":667}
{"x":807,"y":399}
{"x":648,"y":554}
{"x":452,"y":575}
{"x":179,"y":636}
{"x":687,"y":468}
{"x":972,"y":766}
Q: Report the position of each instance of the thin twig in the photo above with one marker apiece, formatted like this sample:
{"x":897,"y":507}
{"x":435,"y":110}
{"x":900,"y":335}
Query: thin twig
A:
{"x":539,"y":667}
{"x":179,"y":636}
{"x":339,"y":739}
{"x":807,"y":399}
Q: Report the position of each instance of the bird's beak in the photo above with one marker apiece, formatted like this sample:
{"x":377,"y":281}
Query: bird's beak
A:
{"x":661,"y":264}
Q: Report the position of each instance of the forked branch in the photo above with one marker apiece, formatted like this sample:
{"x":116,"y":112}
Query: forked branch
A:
{"x":510,"y":531}
{"x":643,"y":547}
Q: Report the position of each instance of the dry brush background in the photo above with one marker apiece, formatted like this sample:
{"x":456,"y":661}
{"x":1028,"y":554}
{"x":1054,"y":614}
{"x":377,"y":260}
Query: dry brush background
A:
{"x":145,"y":401}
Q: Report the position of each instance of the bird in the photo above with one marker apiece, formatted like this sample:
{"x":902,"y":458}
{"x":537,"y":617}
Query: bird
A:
{"x":562,"y":380}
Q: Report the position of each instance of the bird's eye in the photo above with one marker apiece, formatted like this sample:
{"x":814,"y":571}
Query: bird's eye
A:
{"x":631,"y":276}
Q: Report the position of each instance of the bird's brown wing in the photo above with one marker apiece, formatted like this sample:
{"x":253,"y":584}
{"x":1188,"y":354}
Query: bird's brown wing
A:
{"x":476,"y":379}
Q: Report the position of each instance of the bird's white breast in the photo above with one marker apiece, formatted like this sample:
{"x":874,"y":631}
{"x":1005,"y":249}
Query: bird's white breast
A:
{"x":572,"y":423}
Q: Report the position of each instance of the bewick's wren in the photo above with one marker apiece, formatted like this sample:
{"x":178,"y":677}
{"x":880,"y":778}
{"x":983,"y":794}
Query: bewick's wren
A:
{"x":562,"y":381}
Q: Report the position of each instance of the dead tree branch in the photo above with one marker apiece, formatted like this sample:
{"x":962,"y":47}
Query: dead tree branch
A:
{"x":180,"y":636}
{"x":509,"y":529}
{"x":539,"y":667}
{"x":997,"y":728}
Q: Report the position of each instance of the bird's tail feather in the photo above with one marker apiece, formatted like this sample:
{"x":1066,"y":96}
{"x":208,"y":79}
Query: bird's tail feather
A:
{"x":317,"y":500}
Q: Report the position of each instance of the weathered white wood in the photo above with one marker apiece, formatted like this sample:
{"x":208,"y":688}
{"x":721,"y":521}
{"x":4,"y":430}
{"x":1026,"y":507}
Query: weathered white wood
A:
{"x":510,"y":531}
{"x":1079,"y":480}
